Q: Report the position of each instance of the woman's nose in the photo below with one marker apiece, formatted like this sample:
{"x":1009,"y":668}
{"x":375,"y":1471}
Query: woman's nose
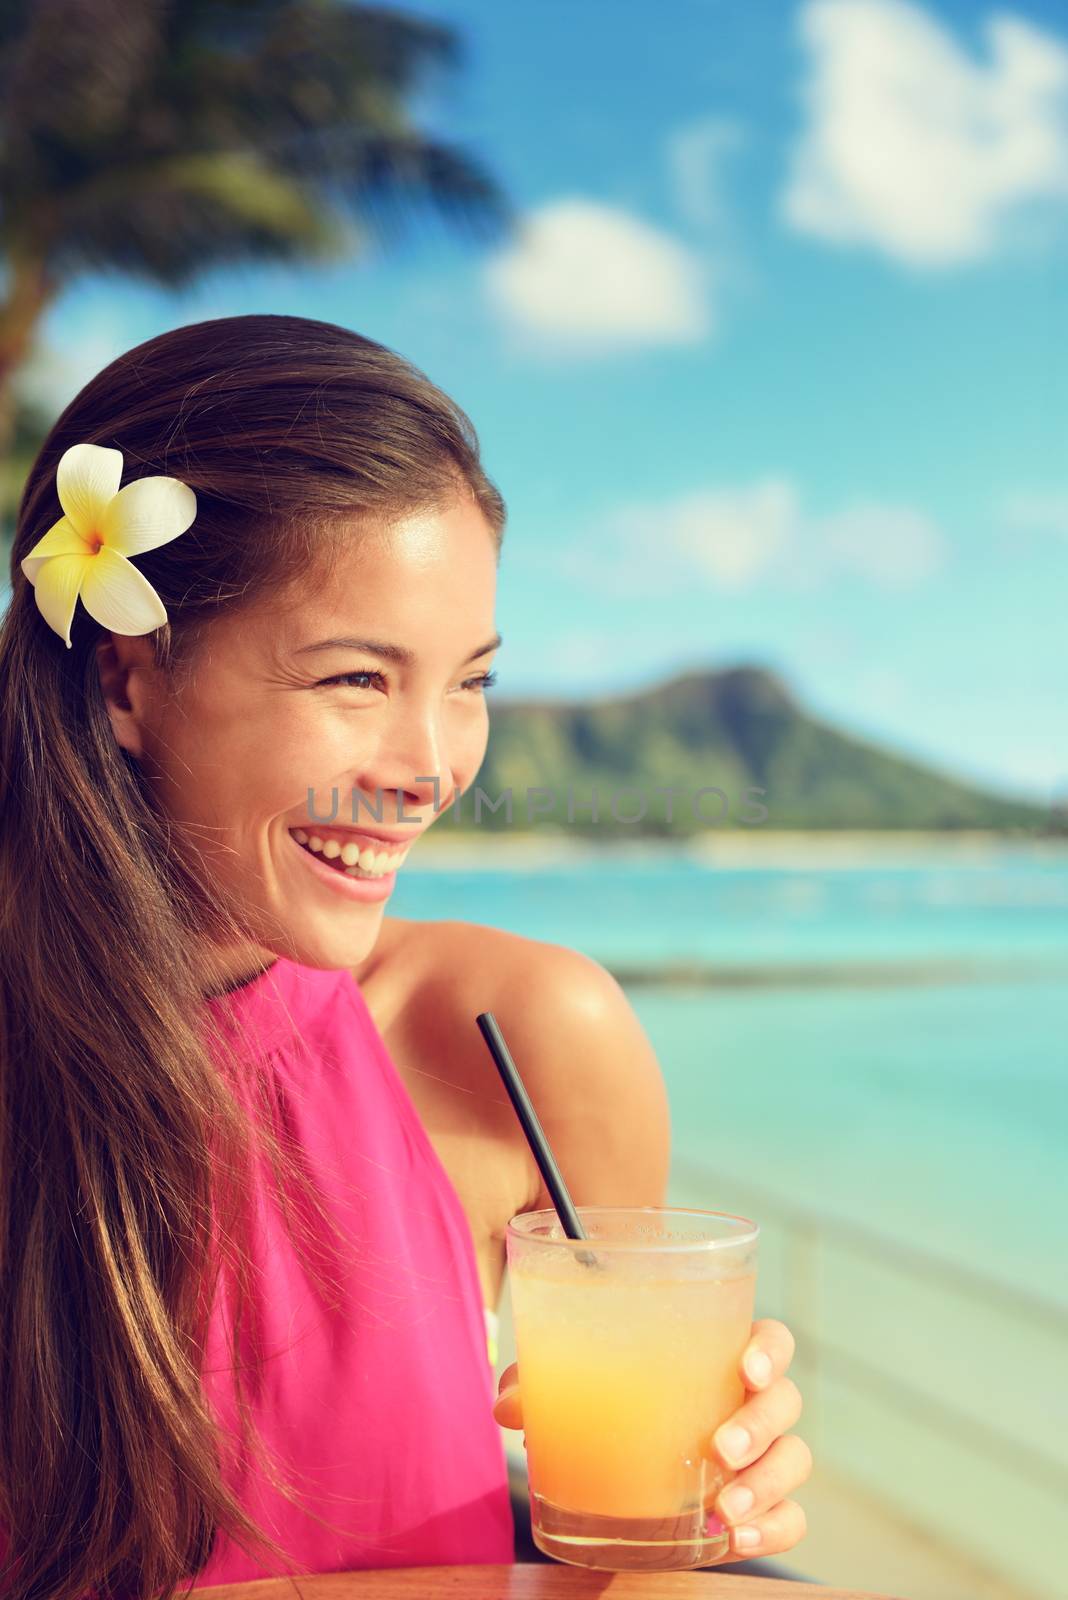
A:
{"x":410,"y":762}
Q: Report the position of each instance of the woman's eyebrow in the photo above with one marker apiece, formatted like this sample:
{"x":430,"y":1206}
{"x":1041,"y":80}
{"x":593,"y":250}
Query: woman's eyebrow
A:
{"x":390,"y":652}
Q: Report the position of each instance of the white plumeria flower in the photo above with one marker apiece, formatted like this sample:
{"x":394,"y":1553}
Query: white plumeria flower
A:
{"x":87,"y":551}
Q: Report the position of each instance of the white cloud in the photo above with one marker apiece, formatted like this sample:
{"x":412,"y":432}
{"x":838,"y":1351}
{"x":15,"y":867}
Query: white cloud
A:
{"x":728,"y":539}
{"x":911,"y":146}
{"x":1045,"y":513}
{"x":894,"y":546}
{"x":62,"y":363}
{"x":52,"y":375}
{"x":695,"y":159}
{"x":581,"y":276}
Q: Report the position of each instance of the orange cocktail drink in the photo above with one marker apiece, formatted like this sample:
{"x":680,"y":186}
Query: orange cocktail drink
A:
{"x":627,"y":1365}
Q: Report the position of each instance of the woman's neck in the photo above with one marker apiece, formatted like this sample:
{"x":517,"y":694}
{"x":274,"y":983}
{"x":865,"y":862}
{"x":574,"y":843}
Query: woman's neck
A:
{"x":234,"y":969}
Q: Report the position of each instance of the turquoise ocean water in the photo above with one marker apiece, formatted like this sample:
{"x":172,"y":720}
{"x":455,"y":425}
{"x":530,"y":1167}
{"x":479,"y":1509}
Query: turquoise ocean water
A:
{"x":913,"y":1078}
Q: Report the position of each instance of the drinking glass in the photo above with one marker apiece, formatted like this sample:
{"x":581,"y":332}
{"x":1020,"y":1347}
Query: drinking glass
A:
{"x":628,"y":1345}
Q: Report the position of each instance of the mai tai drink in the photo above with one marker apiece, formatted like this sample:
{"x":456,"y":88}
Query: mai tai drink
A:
{"x":628,"y":1345}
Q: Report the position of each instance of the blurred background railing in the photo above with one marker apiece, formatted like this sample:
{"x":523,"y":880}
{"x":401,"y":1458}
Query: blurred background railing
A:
{"x":930,"y":1390}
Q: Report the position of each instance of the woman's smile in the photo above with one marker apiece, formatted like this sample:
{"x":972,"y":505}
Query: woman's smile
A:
{"x":340,"y":877}
{"x":359,"y":854}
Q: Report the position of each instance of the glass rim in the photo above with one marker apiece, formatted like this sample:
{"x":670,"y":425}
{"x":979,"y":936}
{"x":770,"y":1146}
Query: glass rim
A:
{"x":524,"y":1235}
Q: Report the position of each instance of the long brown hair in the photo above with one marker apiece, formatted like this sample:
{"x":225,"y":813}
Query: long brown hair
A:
{"x":124,"y":1149}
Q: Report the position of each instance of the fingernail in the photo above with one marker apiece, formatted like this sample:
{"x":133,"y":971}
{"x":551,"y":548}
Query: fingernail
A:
{"x":733,"y":1443}
{"x":736,"y":1501}
{"x":758,"y":1366}
{"x":746,"y":1538}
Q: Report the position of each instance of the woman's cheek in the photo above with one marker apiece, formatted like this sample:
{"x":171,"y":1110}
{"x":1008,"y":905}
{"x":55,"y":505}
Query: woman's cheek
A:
{"x":470,"y":753}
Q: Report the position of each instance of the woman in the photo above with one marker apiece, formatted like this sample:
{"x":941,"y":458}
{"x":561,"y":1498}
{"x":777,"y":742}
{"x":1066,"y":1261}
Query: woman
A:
{"x":255,"y":1168}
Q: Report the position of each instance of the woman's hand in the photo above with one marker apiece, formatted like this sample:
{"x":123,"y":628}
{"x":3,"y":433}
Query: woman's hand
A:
{"x":768,"y":1460}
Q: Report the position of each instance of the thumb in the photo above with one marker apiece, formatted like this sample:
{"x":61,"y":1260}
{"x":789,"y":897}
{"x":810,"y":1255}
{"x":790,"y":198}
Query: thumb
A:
{"x":507,"y":1408}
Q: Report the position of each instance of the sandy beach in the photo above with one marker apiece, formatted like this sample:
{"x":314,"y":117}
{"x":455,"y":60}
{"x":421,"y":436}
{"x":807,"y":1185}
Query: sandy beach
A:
{"x":446,"y":849}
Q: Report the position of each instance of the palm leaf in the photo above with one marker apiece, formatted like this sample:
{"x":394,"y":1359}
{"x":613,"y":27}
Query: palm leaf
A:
{"x":169,"y":137}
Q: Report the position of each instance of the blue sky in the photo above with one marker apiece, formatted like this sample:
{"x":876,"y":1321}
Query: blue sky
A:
{"x":774,"y":370}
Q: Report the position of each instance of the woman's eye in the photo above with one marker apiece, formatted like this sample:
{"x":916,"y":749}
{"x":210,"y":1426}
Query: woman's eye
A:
{"x":482,"y":680}
{"x":345,"y":679}
{"x":370,"y":679}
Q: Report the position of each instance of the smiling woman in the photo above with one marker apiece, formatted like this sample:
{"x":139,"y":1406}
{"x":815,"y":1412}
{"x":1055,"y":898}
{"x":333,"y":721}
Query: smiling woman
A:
{"x":254,"y":1173}
{"x":253,"y":749}
{"x":158,"y":774}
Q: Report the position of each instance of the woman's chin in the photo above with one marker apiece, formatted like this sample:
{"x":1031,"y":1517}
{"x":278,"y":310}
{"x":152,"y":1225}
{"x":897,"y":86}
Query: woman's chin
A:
{"x":313,"y":945}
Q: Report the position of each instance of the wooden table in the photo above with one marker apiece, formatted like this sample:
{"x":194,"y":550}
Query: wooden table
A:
{"x":527,"y":1581}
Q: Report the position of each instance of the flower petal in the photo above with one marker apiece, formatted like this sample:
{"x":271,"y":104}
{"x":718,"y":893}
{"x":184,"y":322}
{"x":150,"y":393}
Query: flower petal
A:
{"x":120,"y":597}
{"x":62,"y":539}
{"x":87,"y":478}
{"x":147,"y":513}
{"x":56,"y":590}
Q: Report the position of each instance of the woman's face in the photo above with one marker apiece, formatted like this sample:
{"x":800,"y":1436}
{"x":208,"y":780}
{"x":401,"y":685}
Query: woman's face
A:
{"x":367,"y":683}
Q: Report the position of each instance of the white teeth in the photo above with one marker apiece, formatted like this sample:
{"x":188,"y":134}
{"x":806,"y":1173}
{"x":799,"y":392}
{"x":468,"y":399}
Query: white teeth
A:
{"x":382,"y":863}
{"x":357,"y":863}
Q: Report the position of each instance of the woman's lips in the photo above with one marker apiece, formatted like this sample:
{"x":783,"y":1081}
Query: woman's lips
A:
{"x":350,"y":882}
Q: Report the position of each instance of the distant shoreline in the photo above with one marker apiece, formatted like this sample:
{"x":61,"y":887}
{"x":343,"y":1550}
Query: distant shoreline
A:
{"x":760,"y":847}
{"x":832,"y":974}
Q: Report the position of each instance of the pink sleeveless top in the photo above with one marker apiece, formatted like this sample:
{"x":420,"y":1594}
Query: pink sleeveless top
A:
{"x":375,"y":1401}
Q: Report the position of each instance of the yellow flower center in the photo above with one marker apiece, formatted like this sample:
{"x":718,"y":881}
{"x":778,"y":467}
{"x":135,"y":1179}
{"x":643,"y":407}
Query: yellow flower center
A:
{"x":96,"y":542}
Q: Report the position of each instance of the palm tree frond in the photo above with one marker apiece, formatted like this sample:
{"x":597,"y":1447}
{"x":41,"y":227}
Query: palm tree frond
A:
{"x":389,"y":174}
{"x":164,"y":138}
{"x":176,"y":218}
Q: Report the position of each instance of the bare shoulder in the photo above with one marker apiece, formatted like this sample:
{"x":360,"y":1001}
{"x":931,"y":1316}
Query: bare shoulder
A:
{"x":580,"y":1048}
{"x":497,"y":971}
{"x":413,"y":953}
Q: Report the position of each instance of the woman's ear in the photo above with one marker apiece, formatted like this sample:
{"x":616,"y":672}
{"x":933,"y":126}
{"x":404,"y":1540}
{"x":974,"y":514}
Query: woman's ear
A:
{"x":128,"y":672}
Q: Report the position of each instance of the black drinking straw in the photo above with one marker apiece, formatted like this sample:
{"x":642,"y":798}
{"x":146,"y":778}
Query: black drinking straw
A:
{"x":528,"y":1117}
